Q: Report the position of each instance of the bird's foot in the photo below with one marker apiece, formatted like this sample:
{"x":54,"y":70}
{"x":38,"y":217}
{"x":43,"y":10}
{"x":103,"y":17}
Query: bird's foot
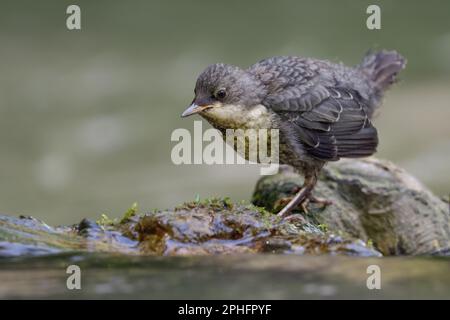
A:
{"x":282,"y":203}
{"x":298,"y":200}
{"x":301,"y":200}
{"x":324,"y":202}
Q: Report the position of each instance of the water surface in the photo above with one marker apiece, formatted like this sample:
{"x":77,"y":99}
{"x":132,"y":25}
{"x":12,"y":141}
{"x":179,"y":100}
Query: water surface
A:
{"x":224,"y":277}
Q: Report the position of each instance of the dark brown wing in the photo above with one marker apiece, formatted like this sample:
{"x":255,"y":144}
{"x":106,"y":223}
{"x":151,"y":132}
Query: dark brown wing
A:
{"x":330,"y":122}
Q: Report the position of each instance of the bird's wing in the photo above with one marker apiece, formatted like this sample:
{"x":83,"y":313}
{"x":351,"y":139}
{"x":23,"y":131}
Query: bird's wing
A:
{"x":328,"y":118}
{"x":330,"y":122}
{"x":283,"y":74}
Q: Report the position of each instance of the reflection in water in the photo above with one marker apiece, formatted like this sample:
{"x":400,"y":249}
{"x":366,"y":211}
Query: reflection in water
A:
{"x":224,"y":277}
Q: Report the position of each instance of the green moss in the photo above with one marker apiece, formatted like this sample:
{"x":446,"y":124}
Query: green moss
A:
{"x":106,"y":221}
{"x":323,"y":227}
{"x":227,"y":202}
{"x":214,"y":203}
{"x":261,"y":210}
{"x":131,"y":212}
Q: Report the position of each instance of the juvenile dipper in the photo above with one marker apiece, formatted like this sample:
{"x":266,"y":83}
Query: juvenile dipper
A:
{"x":322,"y":110}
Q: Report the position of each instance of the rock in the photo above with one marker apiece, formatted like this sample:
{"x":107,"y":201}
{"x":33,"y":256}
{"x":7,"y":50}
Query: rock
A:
{"x":377,"y":208}
{"x":217,"y":226}
{"x":214,"y":226}
{"x":373,"y":200}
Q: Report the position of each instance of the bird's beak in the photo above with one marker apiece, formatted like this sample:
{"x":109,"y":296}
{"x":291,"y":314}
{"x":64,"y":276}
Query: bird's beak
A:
{"x":193,"y":109}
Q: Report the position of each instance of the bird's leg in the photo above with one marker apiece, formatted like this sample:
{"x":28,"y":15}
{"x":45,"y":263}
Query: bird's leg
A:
{"x":301,"y":196}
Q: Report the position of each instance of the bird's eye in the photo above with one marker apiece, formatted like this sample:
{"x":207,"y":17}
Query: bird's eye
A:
{"x":220,"y":94}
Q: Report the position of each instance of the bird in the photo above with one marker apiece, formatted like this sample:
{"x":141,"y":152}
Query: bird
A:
{"x":322,"y":110}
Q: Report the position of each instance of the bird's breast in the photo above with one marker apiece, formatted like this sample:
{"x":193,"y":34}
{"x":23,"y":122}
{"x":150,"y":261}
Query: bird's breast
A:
{"x":229,"y":116}
{"x":249,"y":119}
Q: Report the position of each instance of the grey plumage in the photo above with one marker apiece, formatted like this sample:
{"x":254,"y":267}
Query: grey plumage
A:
{"x":323,"y":110}
{"x":328,"y":105}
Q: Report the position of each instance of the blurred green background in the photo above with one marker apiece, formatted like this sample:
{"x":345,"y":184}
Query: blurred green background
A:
{"x":86,"y":116}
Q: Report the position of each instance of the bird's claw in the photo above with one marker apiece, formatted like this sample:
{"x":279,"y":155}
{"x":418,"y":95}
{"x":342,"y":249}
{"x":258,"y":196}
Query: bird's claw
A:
{"x":304,"y":205}
{"x":285,"y":212}
{"x":321,"y":201}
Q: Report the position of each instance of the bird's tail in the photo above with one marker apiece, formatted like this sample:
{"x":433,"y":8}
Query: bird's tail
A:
{"x":382,"y":68}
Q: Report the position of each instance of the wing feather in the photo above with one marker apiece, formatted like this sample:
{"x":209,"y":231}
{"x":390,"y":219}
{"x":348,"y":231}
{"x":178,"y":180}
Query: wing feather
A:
{"x":337,"y":126}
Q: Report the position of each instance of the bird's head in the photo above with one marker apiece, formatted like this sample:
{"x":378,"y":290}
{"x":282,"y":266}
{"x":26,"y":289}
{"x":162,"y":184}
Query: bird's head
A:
{"x":222,"y":90}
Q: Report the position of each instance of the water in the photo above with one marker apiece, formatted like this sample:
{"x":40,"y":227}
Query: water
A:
{"x":224,"y":277}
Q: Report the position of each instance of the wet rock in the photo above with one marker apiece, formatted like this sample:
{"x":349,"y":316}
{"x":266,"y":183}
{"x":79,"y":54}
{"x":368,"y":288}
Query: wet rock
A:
{"x":214,"y":228}
{"x":13,"y":249}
